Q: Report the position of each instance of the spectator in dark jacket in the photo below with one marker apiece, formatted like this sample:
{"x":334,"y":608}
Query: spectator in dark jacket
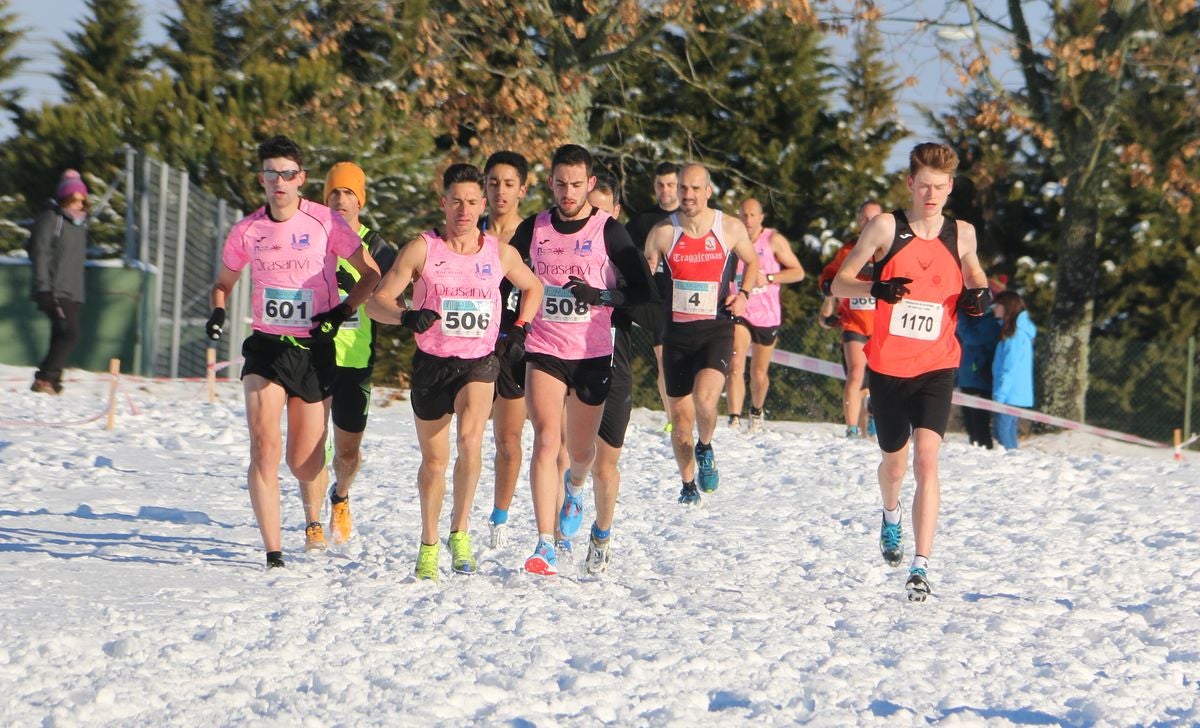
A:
{"x":58,"y":250}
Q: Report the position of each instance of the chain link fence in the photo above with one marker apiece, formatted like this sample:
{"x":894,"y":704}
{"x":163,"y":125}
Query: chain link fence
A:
{"x":177,"y":230}
{"x":1135,"y":387}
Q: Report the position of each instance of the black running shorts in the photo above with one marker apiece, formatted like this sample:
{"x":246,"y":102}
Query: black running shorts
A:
{"x":619,"y":403}
{"x":351,"y":398}
{"x":437,"y":380}
{"x":692,"y":346}
{"x":303,"y":367}
{"x":761,"y":335}
{"x":590,"y":379}
{"x":902,"y":404}
{"x":510,"y":384}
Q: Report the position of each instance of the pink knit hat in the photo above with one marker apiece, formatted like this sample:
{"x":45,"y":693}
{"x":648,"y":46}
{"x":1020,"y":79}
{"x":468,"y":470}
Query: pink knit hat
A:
{"x":70,"y":185}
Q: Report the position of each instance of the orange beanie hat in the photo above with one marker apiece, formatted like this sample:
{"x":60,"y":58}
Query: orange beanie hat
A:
{"x":347,"y":175}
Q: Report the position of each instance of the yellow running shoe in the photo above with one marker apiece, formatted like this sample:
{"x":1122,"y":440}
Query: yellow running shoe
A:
{"x":314,"y":537}
{"x":427,"y":562}
{"x":339,"y":520}
{"x":461,"y":558}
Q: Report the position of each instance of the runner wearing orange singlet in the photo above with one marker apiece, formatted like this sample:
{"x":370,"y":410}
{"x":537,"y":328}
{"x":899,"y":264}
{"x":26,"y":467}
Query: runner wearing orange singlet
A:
{"x":855,"y":316}
{"x":922,"y":260}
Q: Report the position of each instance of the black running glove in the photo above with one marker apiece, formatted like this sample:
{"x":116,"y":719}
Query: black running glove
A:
{"x":975,"y":301}
{"x":827,"y":287}
{"x":419,"y":320}
{"x":345,"y":281}
{"x":891,"y":290}
{"x":833,"y":321}
{"x":514,"y":343}
{"x":326,"y":324}
{"x":216,"y":320}
{"x":584,"y":293}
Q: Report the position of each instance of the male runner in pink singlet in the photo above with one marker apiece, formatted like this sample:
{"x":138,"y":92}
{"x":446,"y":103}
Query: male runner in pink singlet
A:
{"x":756,"y":331}
{"x":292,"y":246}
{"x":588,"y":265}
{"x":455,"y":314}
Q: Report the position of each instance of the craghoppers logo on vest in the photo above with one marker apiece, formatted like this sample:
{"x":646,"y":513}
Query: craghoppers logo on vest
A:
{"x":483,"y":271}
{"x":301,"y":242}
{"x":583,"y":247}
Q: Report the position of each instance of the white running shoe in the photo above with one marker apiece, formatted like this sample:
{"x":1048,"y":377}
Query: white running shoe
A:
{"x":499,"y":535}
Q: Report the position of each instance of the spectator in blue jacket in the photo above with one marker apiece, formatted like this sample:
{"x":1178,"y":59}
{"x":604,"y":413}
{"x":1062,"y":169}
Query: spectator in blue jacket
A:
{"x":1012,"y":368}
{"x":978,"y":336}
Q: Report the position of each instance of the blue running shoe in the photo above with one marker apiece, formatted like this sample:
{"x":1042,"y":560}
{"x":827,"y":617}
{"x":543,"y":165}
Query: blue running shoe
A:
{"x":543,"y":560}
{"x":871,"y":426}
{"x":706,"y":466}
{"x":688,"y":495}
{"x":571,"y":515}
{"x":918,"y":585}
{"x":889,"y":543}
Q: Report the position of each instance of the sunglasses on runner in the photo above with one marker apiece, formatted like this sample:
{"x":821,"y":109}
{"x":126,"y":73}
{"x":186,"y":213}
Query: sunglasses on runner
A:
{"x":287,"y":174}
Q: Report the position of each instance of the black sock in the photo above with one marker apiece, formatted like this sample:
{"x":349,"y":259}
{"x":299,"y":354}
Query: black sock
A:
{"x":689,"y":485}
{"x":274,"y":559}
{"x":334,"y":498}
{"x":702,"y":446}
{"x":755,"y":411}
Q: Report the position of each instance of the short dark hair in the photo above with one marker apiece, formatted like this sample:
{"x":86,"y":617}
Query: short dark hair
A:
{"x":607,"y":183}
{"x":461,"y":172}
{"x":871,"y":201}
{"x":666,"y":168}
{"x":937,"y":157}
{"x":513,"y":159}
{"x":572,"y":154}
{"x":280,"y":147}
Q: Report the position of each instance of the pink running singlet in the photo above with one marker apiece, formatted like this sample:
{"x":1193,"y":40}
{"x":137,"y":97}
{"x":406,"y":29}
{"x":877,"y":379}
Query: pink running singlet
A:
{"x":465,"y":290}
{"x":564,"y":327}
{"x":293,"y":265}
{"x":763,"y":307}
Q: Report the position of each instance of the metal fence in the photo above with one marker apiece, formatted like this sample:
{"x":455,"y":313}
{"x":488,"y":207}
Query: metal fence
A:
{"x":177,"y":231}
{"x":1137,"y":387}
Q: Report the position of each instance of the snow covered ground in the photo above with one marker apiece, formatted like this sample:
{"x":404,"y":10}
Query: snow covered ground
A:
{"x":1066,"y":586}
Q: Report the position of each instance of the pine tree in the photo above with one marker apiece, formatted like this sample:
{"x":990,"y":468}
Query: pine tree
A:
{"x":104,"y":56}
{"x":866,"y":131}
{"x":10,"y":63}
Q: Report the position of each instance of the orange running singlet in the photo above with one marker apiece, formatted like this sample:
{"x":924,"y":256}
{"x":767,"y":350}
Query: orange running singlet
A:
{"x":857,"y":313}
{"x":916,"y":335}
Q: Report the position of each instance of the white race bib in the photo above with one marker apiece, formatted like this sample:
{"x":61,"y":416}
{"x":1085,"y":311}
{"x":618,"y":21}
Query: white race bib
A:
{"x":287,"y":307}
{"x":694,"y":297}
{"x":466,"y":317}
{"x":916,"y":320}
{"x":351,"y":323}
{"x":862,"y":303}
{"x":560,"y":306}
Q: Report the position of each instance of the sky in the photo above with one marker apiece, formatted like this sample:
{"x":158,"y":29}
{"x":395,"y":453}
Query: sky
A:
{"x":934,"y":75}
{"x":1066,"y":584}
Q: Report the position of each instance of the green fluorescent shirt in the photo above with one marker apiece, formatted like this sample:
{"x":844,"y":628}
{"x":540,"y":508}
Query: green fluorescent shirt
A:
{"x":354,"y":338}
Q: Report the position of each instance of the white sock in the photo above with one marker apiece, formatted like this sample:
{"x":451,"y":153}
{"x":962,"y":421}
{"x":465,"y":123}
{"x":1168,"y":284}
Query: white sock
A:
{"x":546,"y":538}
{"x":893,"y":517}
{"x":573,"y":489}
{"x":920,"y":562}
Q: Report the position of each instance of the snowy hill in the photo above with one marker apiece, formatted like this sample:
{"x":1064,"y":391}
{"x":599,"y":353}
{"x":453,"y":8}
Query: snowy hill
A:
{"x":1065,"y":576}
